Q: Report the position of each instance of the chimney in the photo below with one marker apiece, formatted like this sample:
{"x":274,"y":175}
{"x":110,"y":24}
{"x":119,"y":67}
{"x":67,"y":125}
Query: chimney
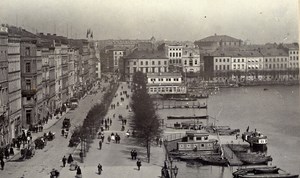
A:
{"x":41,"y":33}
{"x":48,"y":34}
{"x":54,"y":34}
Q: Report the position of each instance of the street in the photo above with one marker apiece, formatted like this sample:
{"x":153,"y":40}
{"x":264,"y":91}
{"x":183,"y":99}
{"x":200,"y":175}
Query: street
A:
{"x":50,"y":157}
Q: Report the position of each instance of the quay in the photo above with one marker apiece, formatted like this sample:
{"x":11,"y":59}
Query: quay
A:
{"x":230,"y":156}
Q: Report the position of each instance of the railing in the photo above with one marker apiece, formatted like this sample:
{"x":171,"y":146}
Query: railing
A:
{"x":174,"y":136}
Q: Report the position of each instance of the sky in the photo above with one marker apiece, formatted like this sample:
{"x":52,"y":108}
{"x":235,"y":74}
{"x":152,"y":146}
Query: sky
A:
{"x":254,"y":21}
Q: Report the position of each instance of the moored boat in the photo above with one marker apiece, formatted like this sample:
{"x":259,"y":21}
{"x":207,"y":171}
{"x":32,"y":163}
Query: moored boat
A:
{"x":187,"y":117}
{"x":262,"y":172}
{"x":256,"y":140}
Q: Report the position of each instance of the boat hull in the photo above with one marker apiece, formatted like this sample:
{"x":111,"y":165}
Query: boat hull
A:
{"x":270,"y":176}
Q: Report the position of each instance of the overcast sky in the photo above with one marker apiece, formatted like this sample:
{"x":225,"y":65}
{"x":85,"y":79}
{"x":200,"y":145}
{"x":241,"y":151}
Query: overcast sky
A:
{"x":258,"y":21}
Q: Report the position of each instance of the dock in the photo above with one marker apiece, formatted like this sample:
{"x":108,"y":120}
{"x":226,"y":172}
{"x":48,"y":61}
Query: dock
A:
{"x":232,"y":159}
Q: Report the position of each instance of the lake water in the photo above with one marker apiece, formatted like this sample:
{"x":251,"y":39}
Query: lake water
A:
{"x":275,"y":112}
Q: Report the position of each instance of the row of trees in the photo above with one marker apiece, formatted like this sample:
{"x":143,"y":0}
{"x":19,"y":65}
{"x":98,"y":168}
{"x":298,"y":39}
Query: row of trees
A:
{"x":145,"y":121}
{"x":92,"y":122}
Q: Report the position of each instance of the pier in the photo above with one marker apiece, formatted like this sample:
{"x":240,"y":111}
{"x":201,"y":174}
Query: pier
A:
{"x":232,"y":159}
{"x":171,"y":104}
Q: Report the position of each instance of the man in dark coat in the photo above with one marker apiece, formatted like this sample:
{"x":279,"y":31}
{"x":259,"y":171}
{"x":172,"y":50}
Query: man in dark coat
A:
{"x":78,"y":171}
{"x":64,"y":160}
{"x":2,"y":164}
{"x":139,"y":164}
{"x":132,"y":154}
{"x":70,"y":159}
{"x":100,"y":144}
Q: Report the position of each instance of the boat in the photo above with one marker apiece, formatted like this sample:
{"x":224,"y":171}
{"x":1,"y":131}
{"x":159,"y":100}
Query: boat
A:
{"x":256,"y":140}
{"x":183,"y":99}
{"x":254,"y":158}
{"x":265,"y":89}
{"x":216,"y":160}
{"x":262,"y":172}
{"x":187,"y":117}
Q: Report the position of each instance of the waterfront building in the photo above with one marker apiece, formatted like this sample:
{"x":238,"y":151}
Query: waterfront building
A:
{"x":293,"y":51}
{"x":174,"y":53}
{"x":190,"y":60}
{"x":4,"y":119}
{"x":14,"y":85}
{"x":146,"y":61}
{"x":275,"y":62}
{"x":165,"y":84}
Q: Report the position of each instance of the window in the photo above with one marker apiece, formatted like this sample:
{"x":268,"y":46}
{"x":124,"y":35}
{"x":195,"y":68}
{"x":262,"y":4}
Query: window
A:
{"x":266,"y":60}
{"x":27,"y":51}
{"x":224,"y":67}
{"x":28,"y":116}
{"x":233,"y":60}
{"x":179,"y":54}
{"x":170,"y":54}
{"x":27,"y":67}
{"x":196,"y":62}
{"x":216,"y":60}
{"x":185,"y":62}
{"x":242,"y":60}
{"x":228,"y":60}
{"x":220,"y":60}
{"x":158,"y":62}
{"x":134,"y":63}
{"x":28,"y":84}
{"x":238,"y":60}
{"x":176,"y":54}
{"x":224,"y":60}
{"x":234,"y":66}
{"x":146,"y":63}
{"x":153,"y":62}
{"x":141,"y":63}
{"x":227,"y":67}
{"x":191,"y":62}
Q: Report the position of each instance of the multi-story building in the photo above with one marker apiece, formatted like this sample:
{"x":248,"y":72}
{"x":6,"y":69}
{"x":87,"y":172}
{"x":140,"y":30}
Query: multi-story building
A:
{"x":14,"y":85}
{"x":275,"y":60}
{"x":293,"y":51}
{"x":64,"y":71}
{"x":213,"y":42}
{"x":191,"y":60}
{"x":4,"y":101}
{"x":174,"y":53}
{"x":31,"y":79}
{"x":146,"y":62}
{"x":165,"y":84}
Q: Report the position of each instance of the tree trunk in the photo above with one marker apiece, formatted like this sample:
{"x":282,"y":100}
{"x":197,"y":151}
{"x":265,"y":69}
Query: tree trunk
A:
{"x":148,"y":151}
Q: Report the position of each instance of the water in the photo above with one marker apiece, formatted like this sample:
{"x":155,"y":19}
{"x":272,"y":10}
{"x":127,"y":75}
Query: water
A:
{"x":275,"y":112}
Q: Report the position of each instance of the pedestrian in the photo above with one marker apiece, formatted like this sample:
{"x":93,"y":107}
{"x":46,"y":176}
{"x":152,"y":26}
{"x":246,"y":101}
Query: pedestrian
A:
{"x":125,"y":121}
{"x":110,"y":122}
{"x":102,"y":138}
{"x":78,"y":171}
{"x":11,"y":151}
{"x":2,"y":164}
{"x":70,"y":159}
{"x":160,"y":142}
{"x":132,"y":154}
{"x":99,"y":168}
{"x":100,"y":144}
{"x":63,"y":132}
{"x":114,"y":115}
{"x":64,"y":160}
{"x":6,"y":153}
{"x":139,"y":164}
{"x":108,"y":139}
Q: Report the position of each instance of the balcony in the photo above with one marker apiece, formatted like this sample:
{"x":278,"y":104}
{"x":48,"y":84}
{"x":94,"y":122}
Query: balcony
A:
{"x":28,"y":92}
{"x":3,"y":109}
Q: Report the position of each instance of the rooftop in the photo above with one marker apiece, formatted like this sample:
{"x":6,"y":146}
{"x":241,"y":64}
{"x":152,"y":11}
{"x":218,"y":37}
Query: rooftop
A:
{"x":164,"y":74}
{"x":218,"y":38}
{"x":146,"y":54}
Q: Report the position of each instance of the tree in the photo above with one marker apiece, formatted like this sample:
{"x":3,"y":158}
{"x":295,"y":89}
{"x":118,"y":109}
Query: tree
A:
{"x":145,"y":120}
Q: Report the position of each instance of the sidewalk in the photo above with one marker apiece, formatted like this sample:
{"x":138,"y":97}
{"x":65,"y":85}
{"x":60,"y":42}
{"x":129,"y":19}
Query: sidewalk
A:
{"x":46,"y":128}
{"x":115,"y":158}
